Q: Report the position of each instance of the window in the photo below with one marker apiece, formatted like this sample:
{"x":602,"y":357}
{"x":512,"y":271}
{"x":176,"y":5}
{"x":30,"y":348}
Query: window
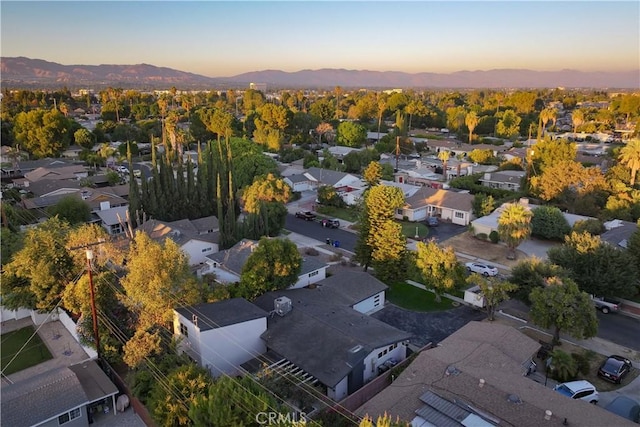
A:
{"x":71,"y":415}
{"x":207,"y":249}
{"x":314,"y":273}
{"x":459,"y":214}
{"x":184,"y":330}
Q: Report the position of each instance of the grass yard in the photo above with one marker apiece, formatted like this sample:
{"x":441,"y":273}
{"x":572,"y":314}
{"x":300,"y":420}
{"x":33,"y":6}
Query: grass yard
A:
{"x":412,"y":298}
{"x":35,"y":351}
{"x":347,"y":214}
{"x":409,"y":229}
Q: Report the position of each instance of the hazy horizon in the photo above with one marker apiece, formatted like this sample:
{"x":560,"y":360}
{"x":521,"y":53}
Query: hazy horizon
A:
{"x":223,"y":39}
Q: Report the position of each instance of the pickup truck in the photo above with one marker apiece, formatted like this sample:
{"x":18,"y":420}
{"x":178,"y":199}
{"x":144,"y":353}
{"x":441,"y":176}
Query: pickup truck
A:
{"x":605,"y":305}
{"x":306,"y":215}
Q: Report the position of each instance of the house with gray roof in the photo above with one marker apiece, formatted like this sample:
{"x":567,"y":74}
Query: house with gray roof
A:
{"x":227,"y":265}
{"x":504,"y":180}
{"x":336,"y":179}
{"x":448,"y":205}
{"x":62,"y":396}
{"x":221,"y":336}
{"x":477,"y":376}
{"x":300,"y":182}
{"x":197,"y":238}
{"x":618,"y":232}
{"x":322,"y":334}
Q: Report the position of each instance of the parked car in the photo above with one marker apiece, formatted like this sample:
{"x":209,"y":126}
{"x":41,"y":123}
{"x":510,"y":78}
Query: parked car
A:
{"x":485,"y":269}
{"x":625,"y":407}
{"x":432,"y":221}
{"x":605,"y":305}
{"x":306,"y":215}
{"x":615,"y":368}
{"x":580,"y":389}
{"x":123,"y":169}
{"x":330,"y":223}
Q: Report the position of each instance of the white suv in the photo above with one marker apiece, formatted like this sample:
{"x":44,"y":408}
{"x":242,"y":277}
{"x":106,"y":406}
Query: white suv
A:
{"x":580,"y":389}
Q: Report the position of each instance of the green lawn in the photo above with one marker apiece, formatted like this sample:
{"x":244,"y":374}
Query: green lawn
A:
{"x":34,"y":352}
{"x":408,"y":296}
{"x":347,"y":214}
{"x":409,"y":229}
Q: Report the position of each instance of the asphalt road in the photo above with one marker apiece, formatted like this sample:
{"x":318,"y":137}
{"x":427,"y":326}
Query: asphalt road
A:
{"x":620,"y":329}
{"x":316,"y":231}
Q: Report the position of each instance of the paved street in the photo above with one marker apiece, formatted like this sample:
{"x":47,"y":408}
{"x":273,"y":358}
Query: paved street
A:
{"x":316,"y":231}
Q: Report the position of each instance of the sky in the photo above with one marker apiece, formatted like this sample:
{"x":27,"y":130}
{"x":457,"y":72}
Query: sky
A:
{"x":222,"y":39}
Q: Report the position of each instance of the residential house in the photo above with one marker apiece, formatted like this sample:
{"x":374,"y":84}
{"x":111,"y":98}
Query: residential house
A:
{"x":503,"y":180}
{"x":448,"y":205}
{"x":25,"y":166}
{"x":478,"y":376}
{"x":197,"y":238}
{"x":221,"y":336}
{"x":320,"y":332}
{"x":353,"y":197}
{"x":338,"y":180}
{"x":618,"y":232}
{"x":63,"y":396}
{"x":73,"y":152}
{"x":227,"y":265}
{"x":114,"y":220}
{"x":63,"y":173}
{"x":489,"y":223}
{"x":300,"y":182}
{"x":337,"y":151}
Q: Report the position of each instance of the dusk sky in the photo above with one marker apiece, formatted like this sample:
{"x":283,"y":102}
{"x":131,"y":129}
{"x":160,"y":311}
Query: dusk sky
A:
{"x":220,"y":39}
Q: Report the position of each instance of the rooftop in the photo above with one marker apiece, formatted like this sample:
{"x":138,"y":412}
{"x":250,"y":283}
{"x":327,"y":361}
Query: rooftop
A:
{"x":222,"y":313}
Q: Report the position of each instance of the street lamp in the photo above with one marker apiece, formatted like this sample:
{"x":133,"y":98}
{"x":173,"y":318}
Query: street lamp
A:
{"x":94,"y":314}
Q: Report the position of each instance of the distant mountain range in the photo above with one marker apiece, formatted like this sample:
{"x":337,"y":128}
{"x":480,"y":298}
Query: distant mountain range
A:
{"x":26,"y":72}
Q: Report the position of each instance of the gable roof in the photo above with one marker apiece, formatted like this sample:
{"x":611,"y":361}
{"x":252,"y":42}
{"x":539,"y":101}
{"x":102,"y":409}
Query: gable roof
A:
{"x":234,"y":258}
{"x":59,"y":173}
{"x":350,"y":287}
{"x":504,"y":176}
{"x":46,"y":186}
{"x":442,"y":198}
{"x":321,"y":337}
{"x":181,"y":231}
{"x":618,"y":232}
{"x":113,"y":216}
{"x":495,"y":353}
{"x":51,"y":393}
{"x":327,"y":176}
{"x":222,"y":313}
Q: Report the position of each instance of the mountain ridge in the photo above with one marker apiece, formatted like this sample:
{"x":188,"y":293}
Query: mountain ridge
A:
{"x":15,"y":71}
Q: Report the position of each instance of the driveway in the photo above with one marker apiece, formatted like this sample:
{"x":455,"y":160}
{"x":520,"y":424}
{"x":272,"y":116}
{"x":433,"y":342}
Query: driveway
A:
{"x":426,"y":327}
{"x":445,"y":230}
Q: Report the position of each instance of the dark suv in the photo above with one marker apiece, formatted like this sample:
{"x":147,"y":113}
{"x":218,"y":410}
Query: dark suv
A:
{"x":331,"y":223}
{"x":615,"y":368}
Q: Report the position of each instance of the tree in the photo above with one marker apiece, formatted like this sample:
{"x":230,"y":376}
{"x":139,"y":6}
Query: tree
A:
{"x":546,"y":115}
{"x":561,"y":306}
{"x":630,"y":157}
{"x":577,"y":118}
{"x":274,"y":264}
{"x":372,"y":174}
{"x":533,"y":273}
{"x":10,"y":242}
{"x":549,"y":152}
{"x":564,"y":366}
{"x":444,"y":156}
{"x":493,"y":290}
{"x":471,"y":120}
{"x":597,"y":267}
{"x":265,"y":200}
{"x":158,"y":278}
{"x":514,"y":226}
{"x":44,"y":133}
{"x":548,"y":222}
{"x":388,"y":251}
{"x":482,"y":205}
{"x":322,"y":129}
{"x":567,"y":180}
{"x":44,"y":264}
{"x":439,"y":268}
{"x":351,"y":134}
{"x":84,"y":138}
{"x":72,"y":209}
{"x":481,"y":156}
{"x":169,"y":402}
{"x":509,"y":125}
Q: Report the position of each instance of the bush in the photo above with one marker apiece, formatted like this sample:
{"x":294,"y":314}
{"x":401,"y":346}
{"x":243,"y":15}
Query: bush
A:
{"x":583,"y":364}
{"x":591,"y":226}
{"x":311,"y":251}
{"x":482,"y":236}
{"x":548,"y":222}
{"x":494,"y":237}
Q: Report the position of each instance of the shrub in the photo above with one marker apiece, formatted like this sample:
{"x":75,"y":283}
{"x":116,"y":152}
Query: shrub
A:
{"x":563,"y":366}
{"x":311,"y":251}
{"x":481,"y":236}
{"x":591,"y":226}
{"x":494,"y":237}
{"x":548,"y":222}
{"x":582,"y":363}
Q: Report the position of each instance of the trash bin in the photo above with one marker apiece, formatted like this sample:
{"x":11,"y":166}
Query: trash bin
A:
{"x":336,"y":244}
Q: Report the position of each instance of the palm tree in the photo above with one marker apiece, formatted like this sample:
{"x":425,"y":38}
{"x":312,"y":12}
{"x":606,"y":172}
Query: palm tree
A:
{"x":577,"y":118}
{"x":514,"y":226}
{"x":546,"y":115}
{"x":471,"y":120}
{"x":630,"y":157}
{"x":444,"y":158}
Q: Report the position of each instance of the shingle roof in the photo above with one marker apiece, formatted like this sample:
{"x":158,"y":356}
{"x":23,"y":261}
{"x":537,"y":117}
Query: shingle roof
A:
{"x":59,"y":173}
{"x":221,"y":313}
{"x":618,"y":233}
{"x":311,"y":264}
{"x":180,"y":231}
{"x":234,"y":258}
{"x":505,"y":176}
{"x":319,"y":336}
{"x":442,"y":198}
{"x":110,"y":216}
{"x":493,"y":352}
{"x":46,"y":186}
{"x":52,"y":393}
{"x":352,"y":286}
{"x":326,"y":176}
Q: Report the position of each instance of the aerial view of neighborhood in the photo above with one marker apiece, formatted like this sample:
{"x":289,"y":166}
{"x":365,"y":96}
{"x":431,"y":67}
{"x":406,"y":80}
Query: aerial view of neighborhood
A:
{"x":332,"y":214}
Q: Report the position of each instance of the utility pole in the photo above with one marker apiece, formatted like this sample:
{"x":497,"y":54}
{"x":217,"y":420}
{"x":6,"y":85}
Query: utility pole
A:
{"x":94,"y":314}
{"x":397,"y":151}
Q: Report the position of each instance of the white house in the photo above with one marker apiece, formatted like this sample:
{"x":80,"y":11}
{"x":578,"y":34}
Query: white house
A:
{"x":335,"y":179}
{"x":114,"y":220}
{"x":300,"y":182}
{"x":221,"y":336}
{"x":504,"y":180}
{"x":197,"y":238}
{"x":448,"y":205}
{"x":227,"y":265}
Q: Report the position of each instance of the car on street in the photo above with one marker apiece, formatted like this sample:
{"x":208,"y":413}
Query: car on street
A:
{"x":614,"y":368}
{"x":580,"y":389}
{"x":123,"y":169}
{"x":625,"y":407}
{"x":306,"y":215}
{"x":605,"y":305}
{"x":432,"y":221}
{"x":485,"y":269}
{"x":330,"y":223}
